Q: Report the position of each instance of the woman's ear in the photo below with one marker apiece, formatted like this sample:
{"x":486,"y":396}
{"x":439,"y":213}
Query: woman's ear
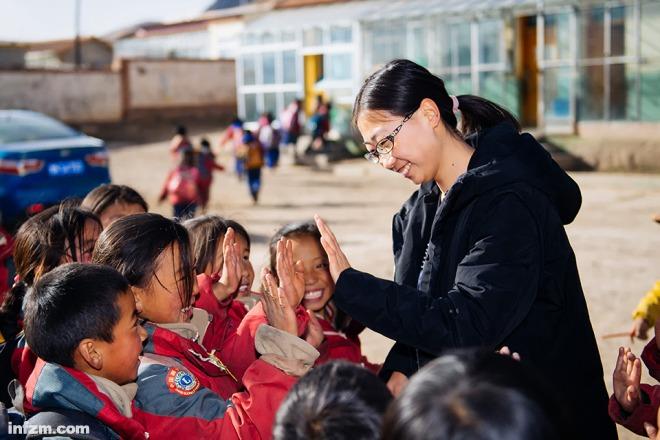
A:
{"x":430,"y":112}
{"x":89,"y":353}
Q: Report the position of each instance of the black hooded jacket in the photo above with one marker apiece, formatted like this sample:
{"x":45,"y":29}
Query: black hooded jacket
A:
{"x":490,"y":265}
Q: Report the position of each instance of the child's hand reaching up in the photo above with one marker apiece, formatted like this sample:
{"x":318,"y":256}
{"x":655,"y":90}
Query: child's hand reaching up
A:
{"x":231,"y":271}
{"x":626,"y":379}
{"x":279,"y":312}
{"x":291,"y":276}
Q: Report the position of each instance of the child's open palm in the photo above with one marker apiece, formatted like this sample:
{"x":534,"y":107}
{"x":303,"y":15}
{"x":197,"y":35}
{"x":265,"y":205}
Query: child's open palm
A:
{"x":290,"y":274}
{"x":626,"y":379}
{"x":231,"y":272}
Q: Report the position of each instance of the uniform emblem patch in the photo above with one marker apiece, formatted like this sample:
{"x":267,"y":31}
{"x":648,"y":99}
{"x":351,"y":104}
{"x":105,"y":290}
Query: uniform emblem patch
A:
{"x":182,"y":382}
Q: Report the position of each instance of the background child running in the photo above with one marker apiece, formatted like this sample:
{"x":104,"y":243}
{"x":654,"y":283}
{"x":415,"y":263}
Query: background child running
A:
{"x":253,"y":152}
{"x":233,"y":135}
{"x":206,"y":164}
{"x":86,"y":361}
{"x":110,"y":202}
{"x":269,"y":138}
{"x":180,"y":143}
{"x":181,"y":187}
{"x":340,"y":331}
{"x":182,"y":386}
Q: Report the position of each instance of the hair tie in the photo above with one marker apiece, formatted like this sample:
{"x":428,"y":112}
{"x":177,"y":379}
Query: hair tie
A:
{"x":454,"y":101}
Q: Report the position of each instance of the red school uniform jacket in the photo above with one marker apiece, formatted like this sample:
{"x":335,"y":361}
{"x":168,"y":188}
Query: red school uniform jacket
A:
{"x":339,"y":345}
{"x":53,"y":387}
{"x":647,"y":411}
{"x":225,"y":315}
{"x":173,"y":402}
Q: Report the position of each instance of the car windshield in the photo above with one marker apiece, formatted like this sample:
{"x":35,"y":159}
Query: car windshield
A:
{"x":21,"y":128}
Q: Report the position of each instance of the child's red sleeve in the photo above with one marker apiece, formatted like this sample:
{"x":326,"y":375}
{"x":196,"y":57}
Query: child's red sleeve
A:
{"x":647,"y":411}
{"x":651,"y":358}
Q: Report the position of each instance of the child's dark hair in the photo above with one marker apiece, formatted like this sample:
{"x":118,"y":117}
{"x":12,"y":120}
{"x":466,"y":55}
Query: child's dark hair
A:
{"x":41,"y":243}
{"x":181,"y":130}
{"x":71,"y":303}
{"x":337,"y":400}
{"x":188,"y":157}
{"x":239,"y":230}
{"x":206,"y":234}
{"x":133,"y":244}
{"x":102,"y":197}
{"x":205,"y":143}
{"x":400,"y":86}
{"x":474,"y":394}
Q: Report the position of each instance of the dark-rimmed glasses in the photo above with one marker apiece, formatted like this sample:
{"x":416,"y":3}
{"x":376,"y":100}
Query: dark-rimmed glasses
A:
{"x":385,"y":145}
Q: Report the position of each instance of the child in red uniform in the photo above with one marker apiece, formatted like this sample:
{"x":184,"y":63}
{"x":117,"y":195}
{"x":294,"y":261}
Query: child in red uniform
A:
{"x":206,"y":164}
{"x":181,"y":186}
{"x":181,"y":385}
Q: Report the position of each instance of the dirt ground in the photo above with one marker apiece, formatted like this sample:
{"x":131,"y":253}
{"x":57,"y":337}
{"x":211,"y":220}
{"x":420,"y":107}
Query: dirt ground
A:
{"x":616,"y":243}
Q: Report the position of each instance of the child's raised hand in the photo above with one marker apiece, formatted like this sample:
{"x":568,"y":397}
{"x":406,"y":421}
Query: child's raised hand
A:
{"x":231,"y":271}
{"x":336,"y":258}
{"x":314,"y":335}
{"x":640,"y":329}
{"x":279,"y":312}
{"x":292,"y":276}
{"x":626,"y":379}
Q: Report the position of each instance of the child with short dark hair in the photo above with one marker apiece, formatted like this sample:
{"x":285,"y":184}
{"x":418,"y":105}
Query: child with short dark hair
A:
{"x":337,"y":400}
{"x":81,"y":321}
{"x":110,"y":202}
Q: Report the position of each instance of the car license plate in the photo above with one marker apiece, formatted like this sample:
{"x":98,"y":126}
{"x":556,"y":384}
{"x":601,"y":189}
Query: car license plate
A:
{"x":66,"y":168}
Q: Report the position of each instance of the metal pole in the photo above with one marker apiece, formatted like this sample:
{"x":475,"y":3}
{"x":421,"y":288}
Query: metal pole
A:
{"x":77,"y":52}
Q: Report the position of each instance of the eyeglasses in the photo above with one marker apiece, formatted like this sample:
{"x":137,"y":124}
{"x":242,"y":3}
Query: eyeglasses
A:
{"x":385,"y":145}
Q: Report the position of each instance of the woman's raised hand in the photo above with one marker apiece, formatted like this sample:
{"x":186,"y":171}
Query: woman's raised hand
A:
{"x":290,"y":274}
{"x":279,"y":312}
{"x":231,"y":269}
{"x":336,"y":258}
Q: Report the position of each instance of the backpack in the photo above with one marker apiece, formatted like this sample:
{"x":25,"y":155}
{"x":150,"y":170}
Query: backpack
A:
{"x":254,"y":157}
{"x":182,"y":186}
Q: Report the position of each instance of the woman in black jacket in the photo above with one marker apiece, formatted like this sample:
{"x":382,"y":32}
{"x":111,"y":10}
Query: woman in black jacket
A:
{"x":481,"y":255}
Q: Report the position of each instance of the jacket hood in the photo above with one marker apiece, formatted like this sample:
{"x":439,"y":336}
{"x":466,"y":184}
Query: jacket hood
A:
{"x":503,"y":157}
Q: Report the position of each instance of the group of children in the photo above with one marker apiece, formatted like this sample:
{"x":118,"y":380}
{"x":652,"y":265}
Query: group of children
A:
{"x":136,"y":325}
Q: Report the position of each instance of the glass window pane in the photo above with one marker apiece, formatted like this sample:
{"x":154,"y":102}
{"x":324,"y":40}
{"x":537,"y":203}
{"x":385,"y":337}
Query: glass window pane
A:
{"x":338,"y":66}
{"x":490,"y":41}
{"x":388,"y":42}
{"x":288,"y":36}
{"x":500,"y":88}
{"x":623,"y":92}
{"x":268,"y":66}
{"x":458,"y":84}
{"x":313,"y":37}
{"x":557,"y":93}
{"x":341,"y":34}
{"x":557,"y":33}
{"x":461,"y":40}
{"x":288,"y":97}
{"x":418,"y":46}
{"x":250,"y":107}
{"x":592,"y":93}
{"x":650,"y":98}
{"x":270,"y":103}
{"x":249,"y":70}
{"x":289,"y":66}
{"x":592,"y":32}
{"x":267,"y":38}
{"x":650,"y":32}
{"x":445,"y":45}
{"x":622,"y":33}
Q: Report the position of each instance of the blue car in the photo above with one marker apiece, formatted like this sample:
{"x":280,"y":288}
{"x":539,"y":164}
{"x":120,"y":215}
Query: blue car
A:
{"x":43,"y":161}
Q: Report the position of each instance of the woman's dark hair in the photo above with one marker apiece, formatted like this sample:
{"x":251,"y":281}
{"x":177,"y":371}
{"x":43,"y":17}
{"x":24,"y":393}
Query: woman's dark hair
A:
{"x":41,"y":243}
{"x":102,"y":197}
{"x":400,"y":86}
{"x":474,"y":394}
{"x":206,"y":234}
{"x":239,"y":230}
{"x":133,"y":244}
{"x":70,"y":303}
{"x":337,"y":400}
